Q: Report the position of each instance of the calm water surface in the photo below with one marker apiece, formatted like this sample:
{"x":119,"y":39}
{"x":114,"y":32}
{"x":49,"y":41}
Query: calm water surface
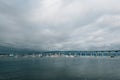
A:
{"x":61,"y":68}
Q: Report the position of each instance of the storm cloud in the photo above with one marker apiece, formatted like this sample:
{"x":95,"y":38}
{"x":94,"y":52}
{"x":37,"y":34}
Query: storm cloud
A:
{"x":60,"y":24}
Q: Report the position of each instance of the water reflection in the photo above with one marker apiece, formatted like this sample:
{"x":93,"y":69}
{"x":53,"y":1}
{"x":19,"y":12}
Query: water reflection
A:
{"x":60,"y":68}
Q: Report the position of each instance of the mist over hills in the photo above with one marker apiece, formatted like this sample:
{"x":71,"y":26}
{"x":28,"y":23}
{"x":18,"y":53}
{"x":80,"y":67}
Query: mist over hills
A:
{"x":8,"y":50}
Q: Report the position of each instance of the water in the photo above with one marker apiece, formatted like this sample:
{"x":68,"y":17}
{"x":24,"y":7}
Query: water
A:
{"x":60,"y":68}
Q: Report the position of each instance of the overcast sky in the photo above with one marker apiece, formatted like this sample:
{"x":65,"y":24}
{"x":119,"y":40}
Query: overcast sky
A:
{"x":60,"y":24}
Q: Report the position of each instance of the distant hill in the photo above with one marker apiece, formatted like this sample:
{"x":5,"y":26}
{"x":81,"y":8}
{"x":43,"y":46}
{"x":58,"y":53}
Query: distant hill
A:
{"x":7,"y":50}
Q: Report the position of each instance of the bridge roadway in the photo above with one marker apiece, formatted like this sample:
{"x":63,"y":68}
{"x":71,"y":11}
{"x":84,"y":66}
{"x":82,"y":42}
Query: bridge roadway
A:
{"x":84,"y":53}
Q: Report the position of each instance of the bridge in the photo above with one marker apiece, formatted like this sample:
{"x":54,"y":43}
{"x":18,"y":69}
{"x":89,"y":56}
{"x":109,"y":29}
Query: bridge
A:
{"x":84,"y":53}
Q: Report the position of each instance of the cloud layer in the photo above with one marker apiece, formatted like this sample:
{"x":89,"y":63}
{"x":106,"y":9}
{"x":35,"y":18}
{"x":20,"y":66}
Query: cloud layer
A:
{"x":60,"y":24}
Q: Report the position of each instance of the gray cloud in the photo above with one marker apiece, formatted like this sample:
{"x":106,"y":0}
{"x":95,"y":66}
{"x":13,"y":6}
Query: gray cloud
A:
{"x":60,"y":24}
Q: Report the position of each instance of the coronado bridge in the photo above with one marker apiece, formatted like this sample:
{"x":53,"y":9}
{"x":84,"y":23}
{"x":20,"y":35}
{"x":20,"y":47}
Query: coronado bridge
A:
{"x":84,"y":53}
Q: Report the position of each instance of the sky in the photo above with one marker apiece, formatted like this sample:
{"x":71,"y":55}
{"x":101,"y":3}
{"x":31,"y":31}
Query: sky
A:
{"x":60,"y":24}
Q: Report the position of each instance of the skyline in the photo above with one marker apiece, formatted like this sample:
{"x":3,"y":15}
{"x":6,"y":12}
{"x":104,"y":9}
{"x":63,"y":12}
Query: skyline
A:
{"x":60,"y":24}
